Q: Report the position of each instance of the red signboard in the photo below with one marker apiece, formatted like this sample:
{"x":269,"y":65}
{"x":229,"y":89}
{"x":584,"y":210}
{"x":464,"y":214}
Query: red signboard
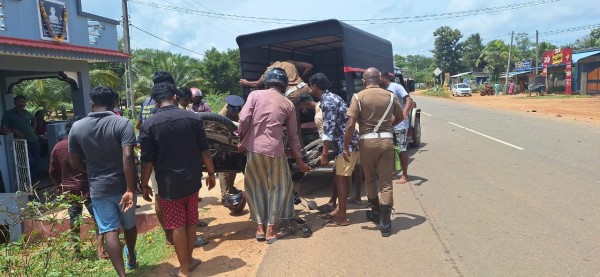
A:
{"x":560,"y":56}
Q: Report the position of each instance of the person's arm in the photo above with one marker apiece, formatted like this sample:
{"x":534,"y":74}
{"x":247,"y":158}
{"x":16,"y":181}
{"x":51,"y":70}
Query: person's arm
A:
{"x":210,"y":168}
{"x":407,"y":105}
{"x":398,"y":115}
{"x":128,"y":157}
{"x":330,"y":116}
{"x":252,"y":84}
{"x":304,"y":68}
{"x":54,"y":171}
{"x":33,"y":121}
{"x":147,"y":159}
{"x":206,"y":157}
{"x":246,"y":116}
{"x":348,"y":133}
{"x":292,"y":129}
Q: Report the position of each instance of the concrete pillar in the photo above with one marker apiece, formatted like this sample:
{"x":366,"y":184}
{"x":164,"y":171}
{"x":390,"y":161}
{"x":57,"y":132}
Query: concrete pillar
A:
{"x":81,"y":97}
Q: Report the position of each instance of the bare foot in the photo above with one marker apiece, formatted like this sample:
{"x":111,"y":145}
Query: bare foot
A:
{"x":403,"y":179}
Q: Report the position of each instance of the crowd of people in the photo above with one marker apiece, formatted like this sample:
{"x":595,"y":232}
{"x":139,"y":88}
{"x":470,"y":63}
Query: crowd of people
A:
{"x":96,"y":160}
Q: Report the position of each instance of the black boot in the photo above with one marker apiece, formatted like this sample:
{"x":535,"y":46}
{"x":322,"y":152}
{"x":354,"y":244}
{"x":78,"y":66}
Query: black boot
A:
{"x":385,"y":221}
{"x":373,"y":214}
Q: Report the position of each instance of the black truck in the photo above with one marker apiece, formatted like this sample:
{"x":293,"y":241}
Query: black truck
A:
{"x":340,"y":51}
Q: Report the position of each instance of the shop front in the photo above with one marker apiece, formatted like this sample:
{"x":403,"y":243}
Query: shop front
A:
{"x":42,"y":39}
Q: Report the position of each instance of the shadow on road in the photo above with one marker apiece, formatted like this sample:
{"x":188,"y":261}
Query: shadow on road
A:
{"x":418,"y":181}
{"x":402,"y":221}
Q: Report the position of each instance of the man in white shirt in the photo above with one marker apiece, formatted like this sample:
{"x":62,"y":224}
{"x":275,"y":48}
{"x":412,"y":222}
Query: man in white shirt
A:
{"x":400,"y":129}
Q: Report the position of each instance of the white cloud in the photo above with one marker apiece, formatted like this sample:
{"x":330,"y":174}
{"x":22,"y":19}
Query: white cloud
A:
{"x":200,"y":33}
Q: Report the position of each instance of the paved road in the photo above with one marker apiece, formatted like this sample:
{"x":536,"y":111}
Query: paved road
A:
{"x":492,"y":193}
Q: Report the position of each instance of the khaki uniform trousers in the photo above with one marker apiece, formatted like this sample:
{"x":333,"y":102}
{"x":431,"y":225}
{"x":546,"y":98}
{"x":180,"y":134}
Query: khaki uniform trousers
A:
{"x":377,"y":161}
{"x":226,"y":181}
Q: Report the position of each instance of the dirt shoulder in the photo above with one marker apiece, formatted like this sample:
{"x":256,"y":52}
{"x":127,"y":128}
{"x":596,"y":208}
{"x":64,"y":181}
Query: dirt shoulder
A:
{"x":583,"y":109}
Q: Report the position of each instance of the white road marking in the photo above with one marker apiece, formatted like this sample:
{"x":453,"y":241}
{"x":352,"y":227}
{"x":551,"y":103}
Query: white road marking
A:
{"x":426,"y":114}
{"x":486,"y":136}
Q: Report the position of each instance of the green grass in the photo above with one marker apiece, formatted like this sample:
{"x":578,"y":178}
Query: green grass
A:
{"x":151,"y":251}
{"x":436,"y":93}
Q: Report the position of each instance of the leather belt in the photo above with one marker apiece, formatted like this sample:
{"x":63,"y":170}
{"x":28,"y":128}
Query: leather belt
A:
{"x":294,"y":88}
{"x":377,"y":135}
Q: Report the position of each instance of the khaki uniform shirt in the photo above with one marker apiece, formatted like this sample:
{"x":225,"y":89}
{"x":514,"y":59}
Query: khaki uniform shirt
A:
{"x":373,"y":103}
{"x":290,"y":69}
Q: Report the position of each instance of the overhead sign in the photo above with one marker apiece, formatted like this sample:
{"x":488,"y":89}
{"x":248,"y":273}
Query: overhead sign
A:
{"x":437,"y":71}
{"x":52,"y":20}
{"x":523,"y":64}
{"x":558,"y":56}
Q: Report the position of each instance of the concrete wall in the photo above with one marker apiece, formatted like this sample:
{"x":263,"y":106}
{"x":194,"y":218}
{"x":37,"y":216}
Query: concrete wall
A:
{"x":22,"y":21}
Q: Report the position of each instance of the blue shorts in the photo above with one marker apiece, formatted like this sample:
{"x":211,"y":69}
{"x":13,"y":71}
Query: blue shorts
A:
{"x":109,"y":215}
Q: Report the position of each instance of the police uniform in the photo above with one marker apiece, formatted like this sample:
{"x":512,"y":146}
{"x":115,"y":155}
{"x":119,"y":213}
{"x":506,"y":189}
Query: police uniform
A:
{"x":376,"y":146}
{"x":234,"y":106}
{"x":296,"y":86}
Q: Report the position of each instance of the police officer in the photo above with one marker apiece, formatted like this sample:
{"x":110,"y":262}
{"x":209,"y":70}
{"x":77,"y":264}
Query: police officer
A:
{"x":231,"y":111}
{"x":376,"y":110}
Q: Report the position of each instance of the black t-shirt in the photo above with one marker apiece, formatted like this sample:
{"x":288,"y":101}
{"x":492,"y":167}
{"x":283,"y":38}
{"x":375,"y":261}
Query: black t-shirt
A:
{"x":173,"y":140}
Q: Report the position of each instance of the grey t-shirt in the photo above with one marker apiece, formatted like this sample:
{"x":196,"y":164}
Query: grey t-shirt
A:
{"x":100,"y":137}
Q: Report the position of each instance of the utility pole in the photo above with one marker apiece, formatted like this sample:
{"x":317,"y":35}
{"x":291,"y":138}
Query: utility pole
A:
{"x":127,"y":45}
{"x":537,"y":51}
{"x":512,"y":34}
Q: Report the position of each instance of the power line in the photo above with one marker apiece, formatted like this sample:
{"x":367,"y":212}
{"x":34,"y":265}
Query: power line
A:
{"x":208,"y":22}
{"x":235,"y":27}
{"x":388,"y":20}
{"x":159,"y":38}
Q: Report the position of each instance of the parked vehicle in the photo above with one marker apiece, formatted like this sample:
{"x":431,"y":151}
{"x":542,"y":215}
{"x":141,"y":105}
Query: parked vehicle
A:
{"x":461,"y":90}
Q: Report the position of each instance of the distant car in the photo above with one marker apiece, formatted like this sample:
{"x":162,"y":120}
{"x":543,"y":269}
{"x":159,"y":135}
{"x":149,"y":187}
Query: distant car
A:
{"x":461,"y":90}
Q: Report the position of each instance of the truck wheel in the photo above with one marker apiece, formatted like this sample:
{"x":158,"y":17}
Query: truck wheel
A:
{"x":213,"y":120}
{"x":416,"y":133}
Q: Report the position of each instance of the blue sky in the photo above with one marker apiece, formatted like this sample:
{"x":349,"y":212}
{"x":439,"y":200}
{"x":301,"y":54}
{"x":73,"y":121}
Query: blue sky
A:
{"x":199,"y":33}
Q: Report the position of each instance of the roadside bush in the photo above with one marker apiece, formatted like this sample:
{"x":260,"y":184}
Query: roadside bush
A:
{"x":49,"y":250}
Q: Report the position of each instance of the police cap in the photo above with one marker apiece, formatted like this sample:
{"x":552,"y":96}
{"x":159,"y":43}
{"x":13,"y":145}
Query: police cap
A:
{"x":234,"y":103}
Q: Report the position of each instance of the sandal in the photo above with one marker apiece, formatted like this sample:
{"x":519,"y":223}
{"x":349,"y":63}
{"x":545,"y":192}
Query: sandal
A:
{"x":195,"y":263}
{"x":334,"y":223}
{"x":327,"y":216}
{"x":260,"y":237}
{"x":326,"y":208}
{"x":127,"y":264}
{"x":279,"y":235}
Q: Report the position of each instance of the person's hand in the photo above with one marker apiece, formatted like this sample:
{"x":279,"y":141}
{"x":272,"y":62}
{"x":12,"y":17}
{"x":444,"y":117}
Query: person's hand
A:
{"x":210,"y":181}
{"x":18,"y":134}
{"x":127,"y":201}
{"x":346,"y":155}
{"x":242,"y":149}
{"x":324,"y":159}
{"x":303,"y":167}
{"x":4,"y":130}
{"x":147,"y":193}
{"x":244,"y":82}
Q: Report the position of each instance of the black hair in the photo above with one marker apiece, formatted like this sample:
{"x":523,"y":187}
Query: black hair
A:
{"x":20,"y":97}
{"x":71,"y":121}
{"x":163,"y":91}
{"x":386,"y":75}
{"x":104,"y":96}
{"x":184,"y":93}
{"x":319,"y":80}
{"x":39,"y":112}
{"x":162,"y":76}
{"x":304,"y":98}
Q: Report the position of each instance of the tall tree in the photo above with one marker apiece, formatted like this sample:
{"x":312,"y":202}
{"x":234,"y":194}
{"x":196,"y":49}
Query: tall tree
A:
{"x":221,"y":70}
{"x":495,"y":56}
{"x":400,"y":61}
{"x":446,"y":52}
{"x":524,"y":48}
{"x":471,"y":50}
{"x":588,"y":41}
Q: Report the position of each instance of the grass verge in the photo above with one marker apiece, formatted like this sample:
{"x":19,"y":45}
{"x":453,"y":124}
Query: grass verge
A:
{"x":436,"y":93}
{"x":151,"y":251}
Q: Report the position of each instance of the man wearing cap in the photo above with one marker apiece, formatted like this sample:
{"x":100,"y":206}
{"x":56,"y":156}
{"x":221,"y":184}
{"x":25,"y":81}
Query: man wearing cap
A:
{"x":198,"y":105}
{"x":377,"y":111}
{"x":231,"y":111}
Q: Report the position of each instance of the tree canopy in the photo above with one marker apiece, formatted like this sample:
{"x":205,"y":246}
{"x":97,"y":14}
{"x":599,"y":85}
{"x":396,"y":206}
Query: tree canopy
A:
{"x":447,"y":50}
